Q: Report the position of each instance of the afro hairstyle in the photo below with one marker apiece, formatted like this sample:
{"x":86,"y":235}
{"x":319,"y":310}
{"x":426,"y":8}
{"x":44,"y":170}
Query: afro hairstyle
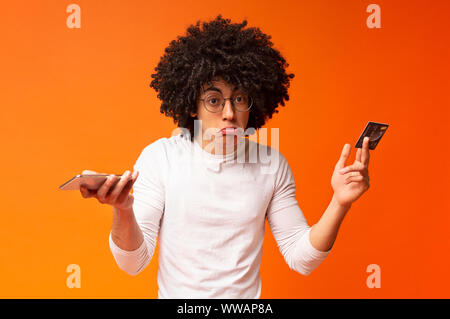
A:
{"x":242,"y":57}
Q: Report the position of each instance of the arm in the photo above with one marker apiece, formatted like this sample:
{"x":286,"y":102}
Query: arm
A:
{"x":324,"y":232}
{"x":292,"y":234}
{"x":304,"y":247}
{"x":126,"y":241}
{"x":125,"y":231}
{"x":348,"y":183}
{"x":134,"y":232}
{"x":289,"y":226}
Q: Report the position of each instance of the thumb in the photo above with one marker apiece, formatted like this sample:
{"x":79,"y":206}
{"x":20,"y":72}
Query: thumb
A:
{"x":86,"y":171}
{"x":344,"y":156}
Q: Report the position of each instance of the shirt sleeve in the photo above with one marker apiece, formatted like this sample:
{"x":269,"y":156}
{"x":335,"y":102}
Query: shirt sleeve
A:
{"x":289,"y":226}
{"x":284,"y":186}
{"x":148,"y":208}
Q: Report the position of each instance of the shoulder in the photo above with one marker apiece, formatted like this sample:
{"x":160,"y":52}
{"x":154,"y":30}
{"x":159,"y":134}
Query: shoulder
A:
{"x":154,"y":147}
{"x":269,"y":158}
{"x":166,"y":147}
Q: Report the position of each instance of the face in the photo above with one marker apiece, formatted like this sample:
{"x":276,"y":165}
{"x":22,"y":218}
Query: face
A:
{"x":212,"y":139}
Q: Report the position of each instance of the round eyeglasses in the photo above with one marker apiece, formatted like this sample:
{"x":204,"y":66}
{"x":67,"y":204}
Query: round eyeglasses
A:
{"x":215,"y":102}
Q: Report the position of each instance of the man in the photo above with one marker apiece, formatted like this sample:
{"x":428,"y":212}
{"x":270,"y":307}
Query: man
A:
{"x":206,"y":207}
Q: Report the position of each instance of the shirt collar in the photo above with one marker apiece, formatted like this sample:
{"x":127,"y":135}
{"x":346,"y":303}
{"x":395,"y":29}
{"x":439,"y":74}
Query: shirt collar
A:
{"x":214,"y":162}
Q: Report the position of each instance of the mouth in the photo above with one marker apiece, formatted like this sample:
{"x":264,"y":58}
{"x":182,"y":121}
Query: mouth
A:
{"x":229,"y":131}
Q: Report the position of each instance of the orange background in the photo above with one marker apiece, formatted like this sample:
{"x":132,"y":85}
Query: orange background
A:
{"x":75,"y":99}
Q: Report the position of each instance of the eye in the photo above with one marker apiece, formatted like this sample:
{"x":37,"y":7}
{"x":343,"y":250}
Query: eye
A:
{"x":240,"y":99}
{"x":212,"y":101}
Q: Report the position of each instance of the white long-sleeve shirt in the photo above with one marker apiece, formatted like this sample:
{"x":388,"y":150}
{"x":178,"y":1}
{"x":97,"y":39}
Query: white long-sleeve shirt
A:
{"x":209,"y":213}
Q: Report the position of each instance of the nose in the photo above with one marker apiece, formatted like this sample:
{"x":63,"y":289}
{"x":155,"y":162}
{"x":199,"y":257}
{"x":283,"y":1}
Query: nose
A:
{"x":228,"y":112}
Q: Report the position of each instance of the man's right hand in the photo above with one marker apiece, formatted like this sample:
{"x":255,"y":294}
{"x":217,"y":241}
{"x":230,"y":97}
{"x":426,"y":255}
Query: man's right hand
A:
{"x":112,"y":193}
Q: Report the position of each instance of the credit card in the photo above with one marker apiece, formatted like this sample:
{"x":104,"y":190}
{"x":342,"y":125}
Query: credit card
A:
{"x":375,"y":132}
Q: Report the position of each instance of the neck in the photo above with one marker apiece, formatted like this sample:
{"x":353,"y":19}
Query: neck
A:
{"x":221,"y":146}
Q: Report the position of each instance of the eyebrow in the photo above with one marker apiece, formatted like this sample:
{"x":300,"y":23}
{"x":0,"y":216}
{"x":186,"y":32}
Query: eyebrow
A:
{"x":213,"y":88}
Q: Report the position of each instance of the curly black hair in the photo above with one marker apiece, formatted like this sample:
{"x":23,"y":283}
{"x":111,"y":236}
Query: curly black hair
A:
{"x":242,"y":57}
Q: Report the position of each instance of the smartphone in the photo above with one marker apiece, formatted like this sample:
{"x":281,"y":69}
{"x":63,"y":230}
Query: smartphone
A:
{"x":91,"y":181}
{"x":375,"y":132}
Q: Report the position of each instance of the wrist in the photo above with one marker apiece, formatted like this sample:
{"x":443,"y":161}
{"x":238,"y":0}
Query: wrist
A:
{"x":123,"y":212}
{"x":341,"y":207}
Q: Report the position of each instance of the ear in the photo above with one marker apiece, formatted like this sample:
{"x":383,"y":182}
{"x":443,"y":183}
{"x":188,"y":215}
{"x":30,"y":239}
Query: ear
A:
{"x":193,"y":114}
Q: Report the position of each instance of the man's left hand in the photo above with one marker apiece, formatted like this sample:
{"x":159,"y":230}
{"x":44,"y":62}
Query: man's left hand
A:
{"x":350,"y":182}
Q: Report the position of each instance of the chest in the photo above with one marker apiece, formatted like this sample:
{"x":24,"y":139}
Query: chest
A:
{"x":237,"y":195}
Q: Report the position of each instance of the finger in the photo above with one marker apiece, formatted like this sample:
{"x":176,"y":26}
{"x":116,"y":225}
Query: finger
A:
{"x":134,"y":177}
{"x":350,"y":179}
{"x":353,"y":173}
{"x":85,"y":192}
{"x":86,"y":172}
{"x":357,"y":166}
{"x":111,"y":197}
{"x":103,"y":190}
{"x":358,"y":155}
{"x":127,"y":188}
{"x":344,"y":156}
{"x":365,"y":151}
